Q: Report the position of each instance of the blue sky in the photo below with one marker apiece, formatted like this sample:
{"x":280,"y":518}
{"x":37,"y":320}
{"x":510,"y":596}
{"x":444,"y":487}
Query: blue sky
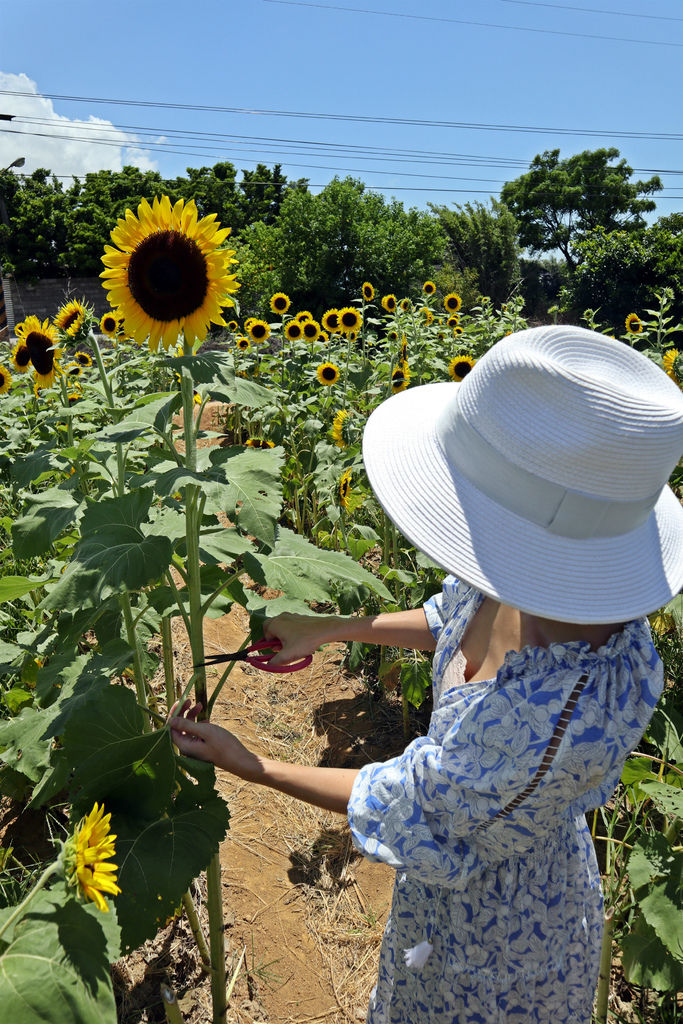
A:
{"x":580,"y":70}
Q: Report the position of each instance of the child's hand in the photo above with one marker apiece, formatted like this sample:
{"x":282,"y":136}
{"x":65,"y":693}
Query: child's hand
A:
{"x":300,"y":635}
{"x":209,"y":742}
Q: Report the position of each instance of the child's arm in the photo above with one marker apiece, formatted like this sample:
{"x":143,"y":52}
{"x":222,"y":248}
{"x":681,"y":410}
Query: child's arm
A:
{"x":324,"y":787}
{"x":302,"y":634}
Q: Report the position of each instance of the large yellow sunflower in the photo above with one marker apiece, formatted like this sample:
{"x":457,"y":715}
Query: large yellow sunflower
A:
{"x":634,"y":324}
{"x":400,"y":378}
{"x":86,"y":858}
{"x":429,"y":287}
{"x":293,"y":330}
{"x":339,"y":433}
{"x":311,"y":330}
{"x":70,"y":318}
{"x":368,"y":291}
{"x":327,"y":374}
{"x":40,"y":341}
{"x":460,"y":366}
{"x":305,"y":314}
{"x":168,"y":273}
{"x":5,"y":380}
{"x":280,"y":302}
{"x":259,"y":330}
{"x":21,"y":360}
{"x":670,"y":361}
{"x":350,"y":320}
{"x":452,"y":302}
{"x":389,"y":303}
{"x":109,"y":324}
{"x":330,"y":320}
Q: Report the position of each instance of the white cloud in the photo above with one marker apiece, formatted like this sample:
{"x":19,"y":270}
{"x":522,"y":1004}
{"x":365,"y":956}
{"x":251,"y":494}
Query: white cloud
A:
{"x":63,"y":146}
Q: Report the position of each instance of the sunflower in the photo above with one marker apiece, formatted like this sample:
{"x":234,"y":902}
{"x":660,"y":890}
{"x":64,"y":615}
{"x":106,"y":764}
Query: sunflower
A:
{"x":392,"y":335}
{"x":109,"y":324}
{"x":345,"y":489}
{"x":368,"y":291}
{"x":70,"y":318}
{"x":259,"y":330}
{"x":350,"y":320}
{"x":634,"y":324}
{"x":305,"y":314}
{"x":340,"y":431}
{"x":73,"y":370}
{"x":294,"y":330}
{"x":457,"y":331}
{"x":21,"y":360}
{"x":248,"y":322}
{"x":5,"y":380}
{"x":427,"y":314}
{"x":403,"y":353}
{"x":452,"y":302}
{"x":323,"y":336}
{"x":83,"y":359}
{"x":400,"y":378}
{"x":389,"y":303}
{"x":327,"y":374}
{"x":429,"y":287}
{"x":167,"y":273}
{"x":40,"y":341}
{"x":460,"y":366}
{"x":233,"y":326}
{"x":280,"y":303}
{"x":259,"y":442}
{"x":86,"y":858}
{"x":330,"y":320}
{"x":453,"y":320}
{"x":669,"y":363}
{"x":242,"y":343}
{"x":311,"y":330}
{"x":406,"y":305}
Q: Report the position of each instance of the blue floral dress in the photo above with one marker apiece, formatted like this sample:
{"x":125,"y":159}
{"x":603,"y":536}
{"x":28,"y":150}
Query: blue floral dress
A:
{"x":483,"y":820}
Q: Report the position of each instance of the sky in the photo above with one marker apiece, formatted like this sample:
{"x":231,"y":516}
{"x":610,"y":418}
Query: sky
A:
{"x":437,"y":102}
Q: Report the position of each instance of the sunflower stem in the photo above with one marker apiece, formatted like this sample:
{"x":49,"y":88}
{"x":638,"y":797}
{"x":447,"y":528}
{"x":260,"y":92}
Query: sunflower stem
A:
{"x":167,"y":649}
{"x":193,"y":919}
{"x":214,"y":901}
{"x":103,"y":373}
{"x":20,"y":909}
{"x":138,"y":671}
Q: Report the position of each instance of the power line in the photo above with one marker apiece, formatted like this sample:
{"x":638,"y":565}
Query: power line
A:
{"x":476,"y":24}
{"x":359,"y":118}
{"x":590,"y":10}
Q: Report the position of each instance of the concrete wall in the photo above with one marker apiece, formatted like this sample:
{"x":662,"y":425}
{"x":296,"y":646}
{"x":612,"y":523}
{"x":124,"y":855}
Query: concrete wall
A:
{"x":44,"y":298}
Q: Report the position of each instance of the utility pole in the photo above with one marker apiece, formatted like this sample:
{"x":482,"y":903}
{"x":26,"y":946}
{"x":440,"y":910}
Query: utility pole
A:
{"x":6,"y":298}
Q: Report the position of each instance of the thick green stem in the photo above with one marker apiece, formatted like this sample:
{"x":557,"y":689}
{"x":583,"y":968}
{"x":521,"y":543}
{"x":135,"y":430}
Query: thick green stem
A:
{"x":138,"y":671}
{"x":605,"y":965}
{"x":103,"y":373}
{"x":214,"y":901}
{"x":193,"y":919}
{"x":18,"y":911}
{"x":167,"y":651}
{"x":171,"y":1008}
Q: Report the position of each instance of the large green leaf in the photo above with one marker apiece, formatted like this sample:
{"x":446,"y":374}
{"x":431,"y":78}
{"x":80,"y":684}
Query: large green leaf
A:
{"x":26,"y":743}
{"x":650,"y":860}
{"x":12,"y":587}
{"x":45,"y":517}
{"x":303,"y":571}
{"x":114,"y":554}
{"x":255,"y":492}
{"x":217,"y":369}
{"x":55,"y":967}
{"x":416,"y":681}
{"x":662,"y":908}
{"x":113,"y":760}
{"x":40,"y":463}
{"x":646,"y":961}
{"x":668,"y":799}
{"x":158,"y":859}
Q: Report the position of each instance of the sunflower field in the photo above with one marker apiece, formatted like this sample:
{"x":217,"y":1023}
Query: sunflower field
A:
{"x":120,"y":513}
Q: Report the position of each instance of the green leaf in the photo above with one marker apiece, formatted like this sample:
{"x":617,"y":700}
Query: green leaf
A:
{"x":32,"y":468}
{"x":222,"y":544}
{"x":56,"y":966}
{"x":303,"y":571}
{"x":662,"y":908}
{"x":12,"y":587}
{"x":45,"y":517}
{"x":675,"y":608}
{"x":26,"y":742}
{"x":635,"y":770}
{"x":668,"y":799}
{"x":650,"y":860}
{"x":113,"y":554}
{"x":254,"y":494}
{"x":124,"y":432}
{"x":17,"y":698}
{"x":158,"y":859}
{"x":646,"y":961}
{"x":416,"y":681}
{"x":113,"y":760}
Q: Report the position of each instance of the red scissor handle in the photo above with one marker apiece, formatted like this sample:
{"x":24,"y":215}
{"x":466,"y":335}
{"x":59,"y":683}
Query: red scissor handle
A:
{"x":262,"y":661}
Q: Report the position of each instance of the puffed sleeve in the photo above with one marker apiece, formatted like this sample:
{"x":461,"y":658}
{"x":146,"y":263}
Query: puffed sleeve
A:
{"x":443,"y":607}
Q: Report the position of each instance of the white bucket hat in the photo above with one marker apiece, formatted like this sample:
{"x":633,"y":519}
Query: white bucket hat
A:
{"x":541,"y":478}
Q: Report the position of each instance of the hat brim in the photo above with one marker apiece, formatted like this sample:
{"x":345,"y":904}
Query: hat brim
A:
{"x":599,"y":580}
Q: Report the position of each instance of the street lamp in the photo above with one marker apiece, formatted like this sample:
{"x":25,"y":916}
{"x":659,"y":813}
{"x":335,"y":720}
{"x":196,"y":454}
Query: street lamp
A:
{"x":19,"y":162}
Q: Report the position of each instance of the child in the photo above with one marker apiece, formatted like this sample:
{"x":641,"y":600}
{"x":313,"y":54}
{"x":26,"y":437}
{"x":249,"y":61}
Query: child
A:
{"x":540,"y":480}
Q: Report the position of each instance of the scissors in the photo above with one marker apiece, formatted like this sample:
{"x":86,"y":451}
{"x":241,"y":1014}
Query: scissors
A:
{"x":261,"y":661}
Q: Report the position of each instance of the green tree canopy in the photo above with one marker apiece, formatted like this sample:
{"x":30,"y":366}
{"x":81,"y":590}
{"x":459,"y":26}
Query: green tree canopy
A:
{"x":326,"y":245}
{"x":558,"y":202}
{"x":483,"y":238}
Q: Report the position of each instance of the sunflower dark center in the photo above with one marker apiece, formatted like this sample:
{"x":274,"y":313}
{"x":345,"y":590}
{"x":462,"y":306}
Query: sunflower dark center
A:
{"x":398,"y":377}
{"x":22,"y":357}
{"x":258,"y":331}
{"x":70,"y":319}
{"x":109,"y":323}
{"x":332,"y":321}
{"x":329,"y":373}
{"x":82,"y":359}
{"x":40,"y":351}
{"x":295,"y":330}
{"x":3,"y":378}
{"x":167,"y":276}
{"x":462,"y":368}
{"x":280,"y":303}
{"x":310,"y":329}
{"x":349,"y":319}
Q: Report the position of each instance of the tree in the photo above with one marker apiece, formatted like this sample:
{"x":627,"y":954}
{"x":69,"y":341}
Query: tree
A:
{"x":483,"y":239}
{"x":37,"y":212}
{"x":559,"y":202}
{"x":328,"y":244}
{"x":262,"y":192}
